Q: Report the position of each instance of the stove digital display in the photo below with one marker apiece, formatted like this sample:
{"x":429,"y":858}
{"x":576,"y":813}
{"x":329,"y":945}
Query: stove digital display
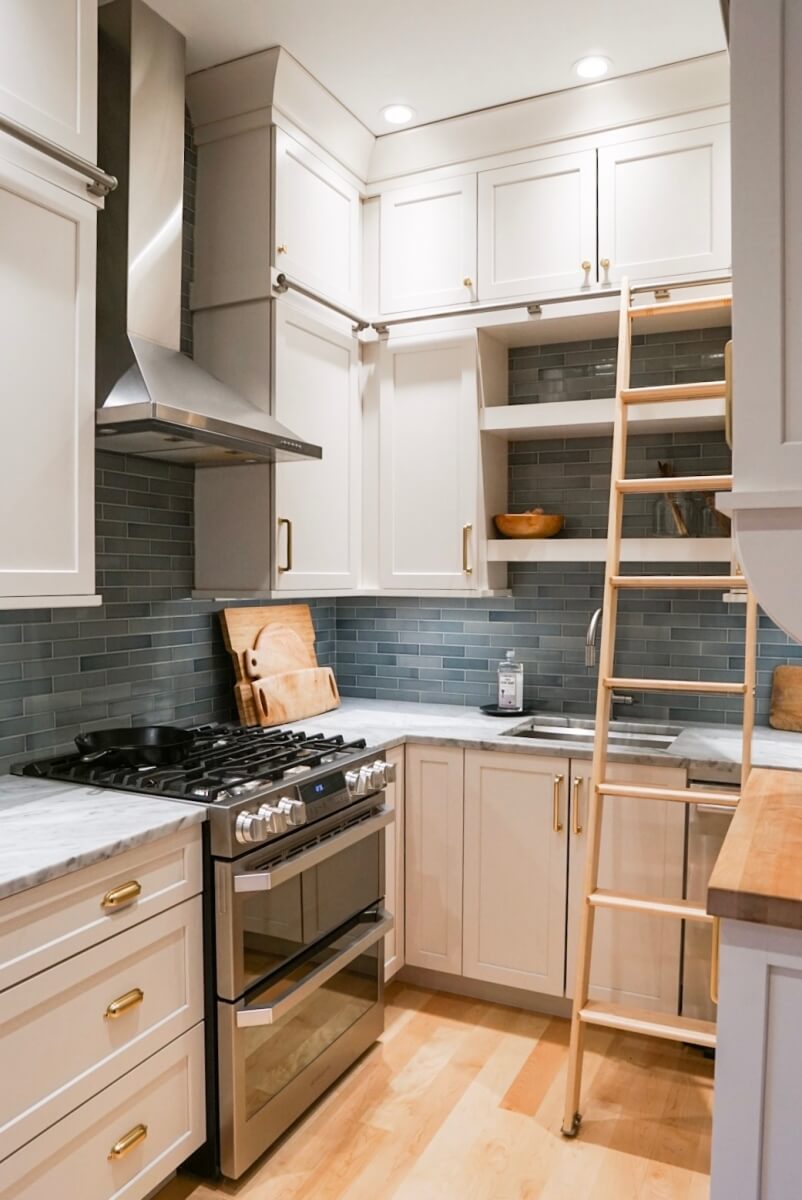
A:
{"x":322,"y":787}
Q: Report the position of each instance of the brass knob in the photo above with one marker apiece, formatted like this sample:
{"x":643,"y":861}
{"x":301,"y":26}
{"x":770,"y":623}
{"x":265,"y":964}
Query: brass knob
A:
{"x":586,"y":265}
{"x":604,"y":263}
{"x":282,"y":249}
{"x":467,"y":281}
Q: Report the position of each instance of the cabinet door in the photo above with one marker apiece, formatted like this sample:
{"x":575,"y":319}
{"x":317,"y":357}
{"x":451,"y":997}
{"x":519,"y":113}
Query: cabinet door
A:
{"x":516,"y":848}
{"x":664,"y":204}
{"x":433,"y":837}
{"x":537,"y":225}
{"x":317,"y":223}
{"x":429,"y":463}
{"x":317,"y":396}
{"x":394,"y":866}
{"x":47,"y":417}
{"x":48,"y":70}
{"x":428,"y":245}
{"x":636,"y":956}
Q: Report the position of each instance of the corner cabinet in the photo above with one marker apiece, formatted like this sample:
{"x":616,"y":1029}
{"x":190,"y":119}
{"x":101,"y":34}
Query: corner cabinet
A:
{"x":47,"y":349}
{"x":428,"y":463}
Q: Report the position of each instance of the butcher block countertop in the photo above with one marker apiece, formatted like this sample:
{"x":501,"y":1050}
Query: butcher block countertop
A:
{"x":758,"y":876}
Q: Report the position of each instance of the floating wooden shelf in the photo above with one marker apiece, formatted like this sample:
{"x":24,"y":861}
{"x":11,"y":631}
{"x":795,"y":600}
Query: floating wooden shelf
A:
{"x":588,"y":418}
{"x":658,"y":550}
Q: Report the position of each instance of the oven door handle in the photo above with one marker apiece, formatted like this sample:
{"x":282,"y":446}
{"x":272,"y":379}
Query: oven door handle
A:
{"x":265,"y":881}
{"x":269,"y":1014}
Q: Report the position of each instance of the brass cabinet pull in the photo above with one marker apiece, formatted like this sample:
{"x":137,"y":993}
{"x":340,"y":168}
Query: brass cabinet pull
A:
{"x":288,"y":562}
{"x":586,"y":264}
{"x":282,"y":249}
{"x":576,"y":790}
{"x":728,"y":394}
{"x":123,"y":1003}
{"x":467,"y":282}
{"x":714,"y":952}
{"x":124,"y":893}
{"x":556,"y":824}
{"x":466,"y":540}
{"x":128,"y":1141}
{"x":604,"y":263}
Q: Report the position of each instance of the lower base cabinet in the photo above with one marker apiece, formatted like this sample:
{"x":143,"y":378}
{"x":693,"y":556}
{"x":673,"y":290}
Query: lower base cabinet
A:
{"x":495,"y":856}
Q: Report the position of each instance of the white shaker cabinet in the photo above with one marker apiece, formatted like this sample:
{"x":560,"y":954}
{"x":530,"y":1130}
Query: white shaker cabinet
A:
{"x":664,"y":205}
{"x":48,"y":70}
{"x":47,"y":418}
{"x":537,"y":226}
{"x":317,"y":502}
{"x":636,"y":957}
{"x":428,"y":245}
{"x":433,"y":839}
{"x":516,"y":847}
{"x":428,"y":463}
{"x":394,"y":865}
{"x":317,"y":223}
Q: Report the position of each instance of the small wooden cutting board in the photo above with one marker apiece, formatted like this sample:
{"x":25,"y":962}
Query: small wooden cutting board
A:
{"x":294,"y":695}
{"x":786,"y":699}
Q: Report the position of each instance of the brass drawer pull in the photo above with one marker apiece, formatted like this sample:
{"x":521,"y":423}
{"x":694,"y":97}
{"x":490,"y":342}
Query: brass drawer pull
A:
{"x":128,"y":1142}
{"x":124,"y":893}
{"x":556,"y":823}
{"x":288,"y":561}
{"x":577,"y":789}
{"x":466,"y":542}
{"x":123,"y":1003}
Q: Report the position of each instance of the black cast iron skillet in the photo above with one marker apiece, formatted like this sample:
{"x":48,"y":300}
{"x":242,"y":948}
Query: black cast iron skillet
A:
{"x":151,"y":745}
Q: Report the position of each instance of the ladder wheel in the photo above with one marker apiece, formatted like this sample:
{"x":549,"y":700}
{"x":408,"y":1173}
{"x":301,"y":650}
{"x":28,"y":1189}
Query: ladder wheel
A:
{"x":574,"y":1127}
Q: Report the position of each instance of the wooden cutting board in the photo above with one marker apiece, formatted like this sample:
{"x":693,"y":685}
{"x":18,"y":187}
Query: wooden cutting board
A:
{"x":274,"y":640}
{"x":293,"y":695}
{"x":786,"y":699}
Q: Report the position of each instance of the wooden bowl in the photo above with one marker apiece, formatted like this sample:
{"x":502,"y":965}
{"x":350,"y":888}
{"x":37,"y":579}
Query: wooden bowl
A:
{"x":529,"y":524}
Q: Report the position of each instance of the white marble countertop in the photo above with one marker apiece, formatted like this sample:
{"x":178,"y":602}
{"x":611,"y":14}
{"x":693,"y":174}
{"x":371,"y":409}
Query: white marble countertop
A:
{"x":49,"y":828}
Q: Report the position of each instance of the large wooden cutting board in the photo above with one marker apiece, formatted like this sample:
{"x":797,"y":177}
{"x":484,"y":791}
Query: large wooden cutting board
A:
{"x":786,"y":699}
{"x":270,"y":641}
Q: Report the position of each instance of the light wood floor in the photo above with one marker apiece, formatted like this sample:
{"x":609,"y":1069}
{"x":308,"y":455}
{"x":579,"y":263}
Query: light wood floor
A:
{"x":462,"y":1100}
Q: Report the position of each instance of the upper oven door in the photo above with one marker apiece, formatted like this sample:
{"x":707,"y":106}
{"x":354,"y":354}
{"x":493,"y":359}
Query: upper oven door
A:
{"x":273,"y":904}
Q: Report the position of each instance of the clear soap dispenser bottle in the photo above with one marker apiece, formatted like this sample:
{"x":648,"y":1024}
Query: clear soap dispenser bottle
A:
{"x":510,"y":683}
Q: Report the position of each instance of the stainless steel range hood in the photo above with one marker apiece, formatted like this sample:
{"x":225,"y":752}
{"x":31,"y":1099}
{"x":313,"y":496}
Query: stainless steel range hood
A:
{"x":155,"y":401}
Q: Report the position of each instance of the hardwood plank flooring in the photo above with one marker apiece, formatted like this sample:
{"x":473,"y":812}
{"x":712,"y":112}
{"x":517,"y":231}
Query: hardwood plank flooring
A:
{"x":462,"y":1100}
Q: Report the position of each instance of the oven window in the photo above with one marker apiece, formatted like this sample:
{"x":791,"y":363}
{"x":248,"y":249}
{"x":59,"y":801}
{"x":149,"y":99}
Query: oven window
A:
{"x":275,"y":1054}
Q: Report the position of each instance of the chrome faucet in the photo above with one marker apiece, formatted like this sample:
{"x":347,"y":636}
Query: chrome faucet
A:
{"x":590,"y":655}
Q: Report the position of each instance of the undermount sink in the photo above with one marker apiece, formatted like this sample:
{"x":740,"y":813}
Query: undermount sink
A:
{"x":580,"y":731}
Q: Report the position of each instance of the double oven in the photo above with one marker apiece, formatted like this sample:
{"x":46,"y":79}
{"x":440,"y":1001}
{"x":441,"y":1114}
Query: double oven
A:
{"x":299,"y":931}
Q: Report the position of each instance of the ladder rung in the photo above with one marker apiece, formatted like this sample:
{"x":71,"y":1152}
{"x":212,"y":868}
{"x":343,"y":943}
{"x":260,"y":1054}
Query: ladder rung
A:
{"x":700,"y":687}
{"x":687,"y":910}
{"x":710,"y":390}
{"x":701,"y":304}
{"x":716,"y":583}
{"x":653,"y":1024}
{"x":679,"y":483}
{"x":634,"y":791}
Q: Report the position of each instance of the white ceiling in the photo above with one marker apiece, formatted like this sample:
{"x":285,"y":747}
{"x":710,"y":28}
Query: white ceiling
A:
{"x":445,"y":57}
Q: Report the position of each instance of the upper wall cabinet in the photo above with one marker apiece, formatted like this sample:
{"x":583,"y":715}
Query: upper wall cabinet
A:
{"x":317,"y":223}
{"x":664,"y":205}
{"x":47,"y":417}
{"x":428,"y":245}
{"x":48,"y":70}
{"x":537,"y":226}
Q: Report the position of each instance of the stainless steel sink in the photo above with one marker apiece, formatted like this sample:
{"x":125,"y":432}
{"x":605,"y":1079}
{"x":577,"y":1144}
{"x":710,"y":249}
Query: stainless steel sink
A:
{"x":579,"y":731}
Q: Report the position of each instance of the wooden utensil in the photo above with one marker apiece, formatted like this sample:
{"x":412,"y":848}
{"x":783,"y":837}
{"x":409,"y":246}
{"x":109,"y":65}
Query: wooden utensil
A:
{"x":293,"y":695}
{"x":667,"y":469}
{"x":786,"y":699}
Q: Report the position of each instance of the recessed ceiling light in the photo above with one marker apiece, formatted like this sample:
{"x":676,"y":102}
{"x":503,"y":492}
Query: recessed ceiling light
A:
{"x":398,"y":114}
{"x":592,"y":67}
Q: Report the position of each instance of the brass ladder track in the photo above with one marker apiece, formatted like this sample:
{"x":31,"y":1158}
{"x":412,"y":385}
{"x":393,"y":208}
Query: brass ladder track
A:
{"x":586,"y":1011}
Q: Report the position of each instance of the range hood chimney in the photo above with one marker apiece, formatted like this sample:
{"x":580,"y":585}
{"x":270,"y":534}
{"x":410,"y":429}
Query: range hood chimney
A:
{"x":154,"y":401}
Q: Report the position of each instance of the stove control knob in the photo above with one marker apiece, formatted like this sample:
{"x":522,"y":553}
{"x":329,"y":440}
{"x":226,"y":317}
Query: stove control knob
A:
{"x":377,"y":775}
{"x":357,"y":781}
{"x":294,"y":811}
{"x":250,"y":828}
{"x":389,"y":772}
{"x":275,"y":820}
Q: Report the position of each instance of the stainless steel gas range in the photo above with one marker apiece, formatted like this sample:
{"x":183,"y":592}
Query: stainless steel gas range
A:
{"x":294,"y":915}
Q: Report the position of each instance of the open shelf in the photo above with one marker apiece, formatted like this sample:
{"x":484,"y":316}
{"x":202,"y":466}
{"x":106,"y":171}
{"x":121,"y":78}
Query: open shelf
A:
{"x":589,"y":418}
{"x":658,"y":550}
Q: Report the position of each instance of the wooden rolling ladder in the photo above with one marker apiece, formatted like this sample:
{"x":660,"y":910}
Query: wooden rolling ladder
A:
{"x":585,"y":1011}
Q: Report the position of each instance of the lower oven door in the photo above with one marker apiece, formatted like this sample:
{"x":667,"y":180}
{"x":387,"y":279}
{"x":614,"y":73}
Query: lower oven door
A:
{"x":282,"y":1046}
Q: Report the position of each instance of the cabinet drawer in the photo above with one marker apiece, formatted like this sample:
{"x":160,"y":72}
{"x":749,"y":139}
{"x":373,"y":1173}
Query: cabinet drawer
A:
{"x":74,"y":1029}
{"x":73,"y":1159}
{"x":47,"y":924}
